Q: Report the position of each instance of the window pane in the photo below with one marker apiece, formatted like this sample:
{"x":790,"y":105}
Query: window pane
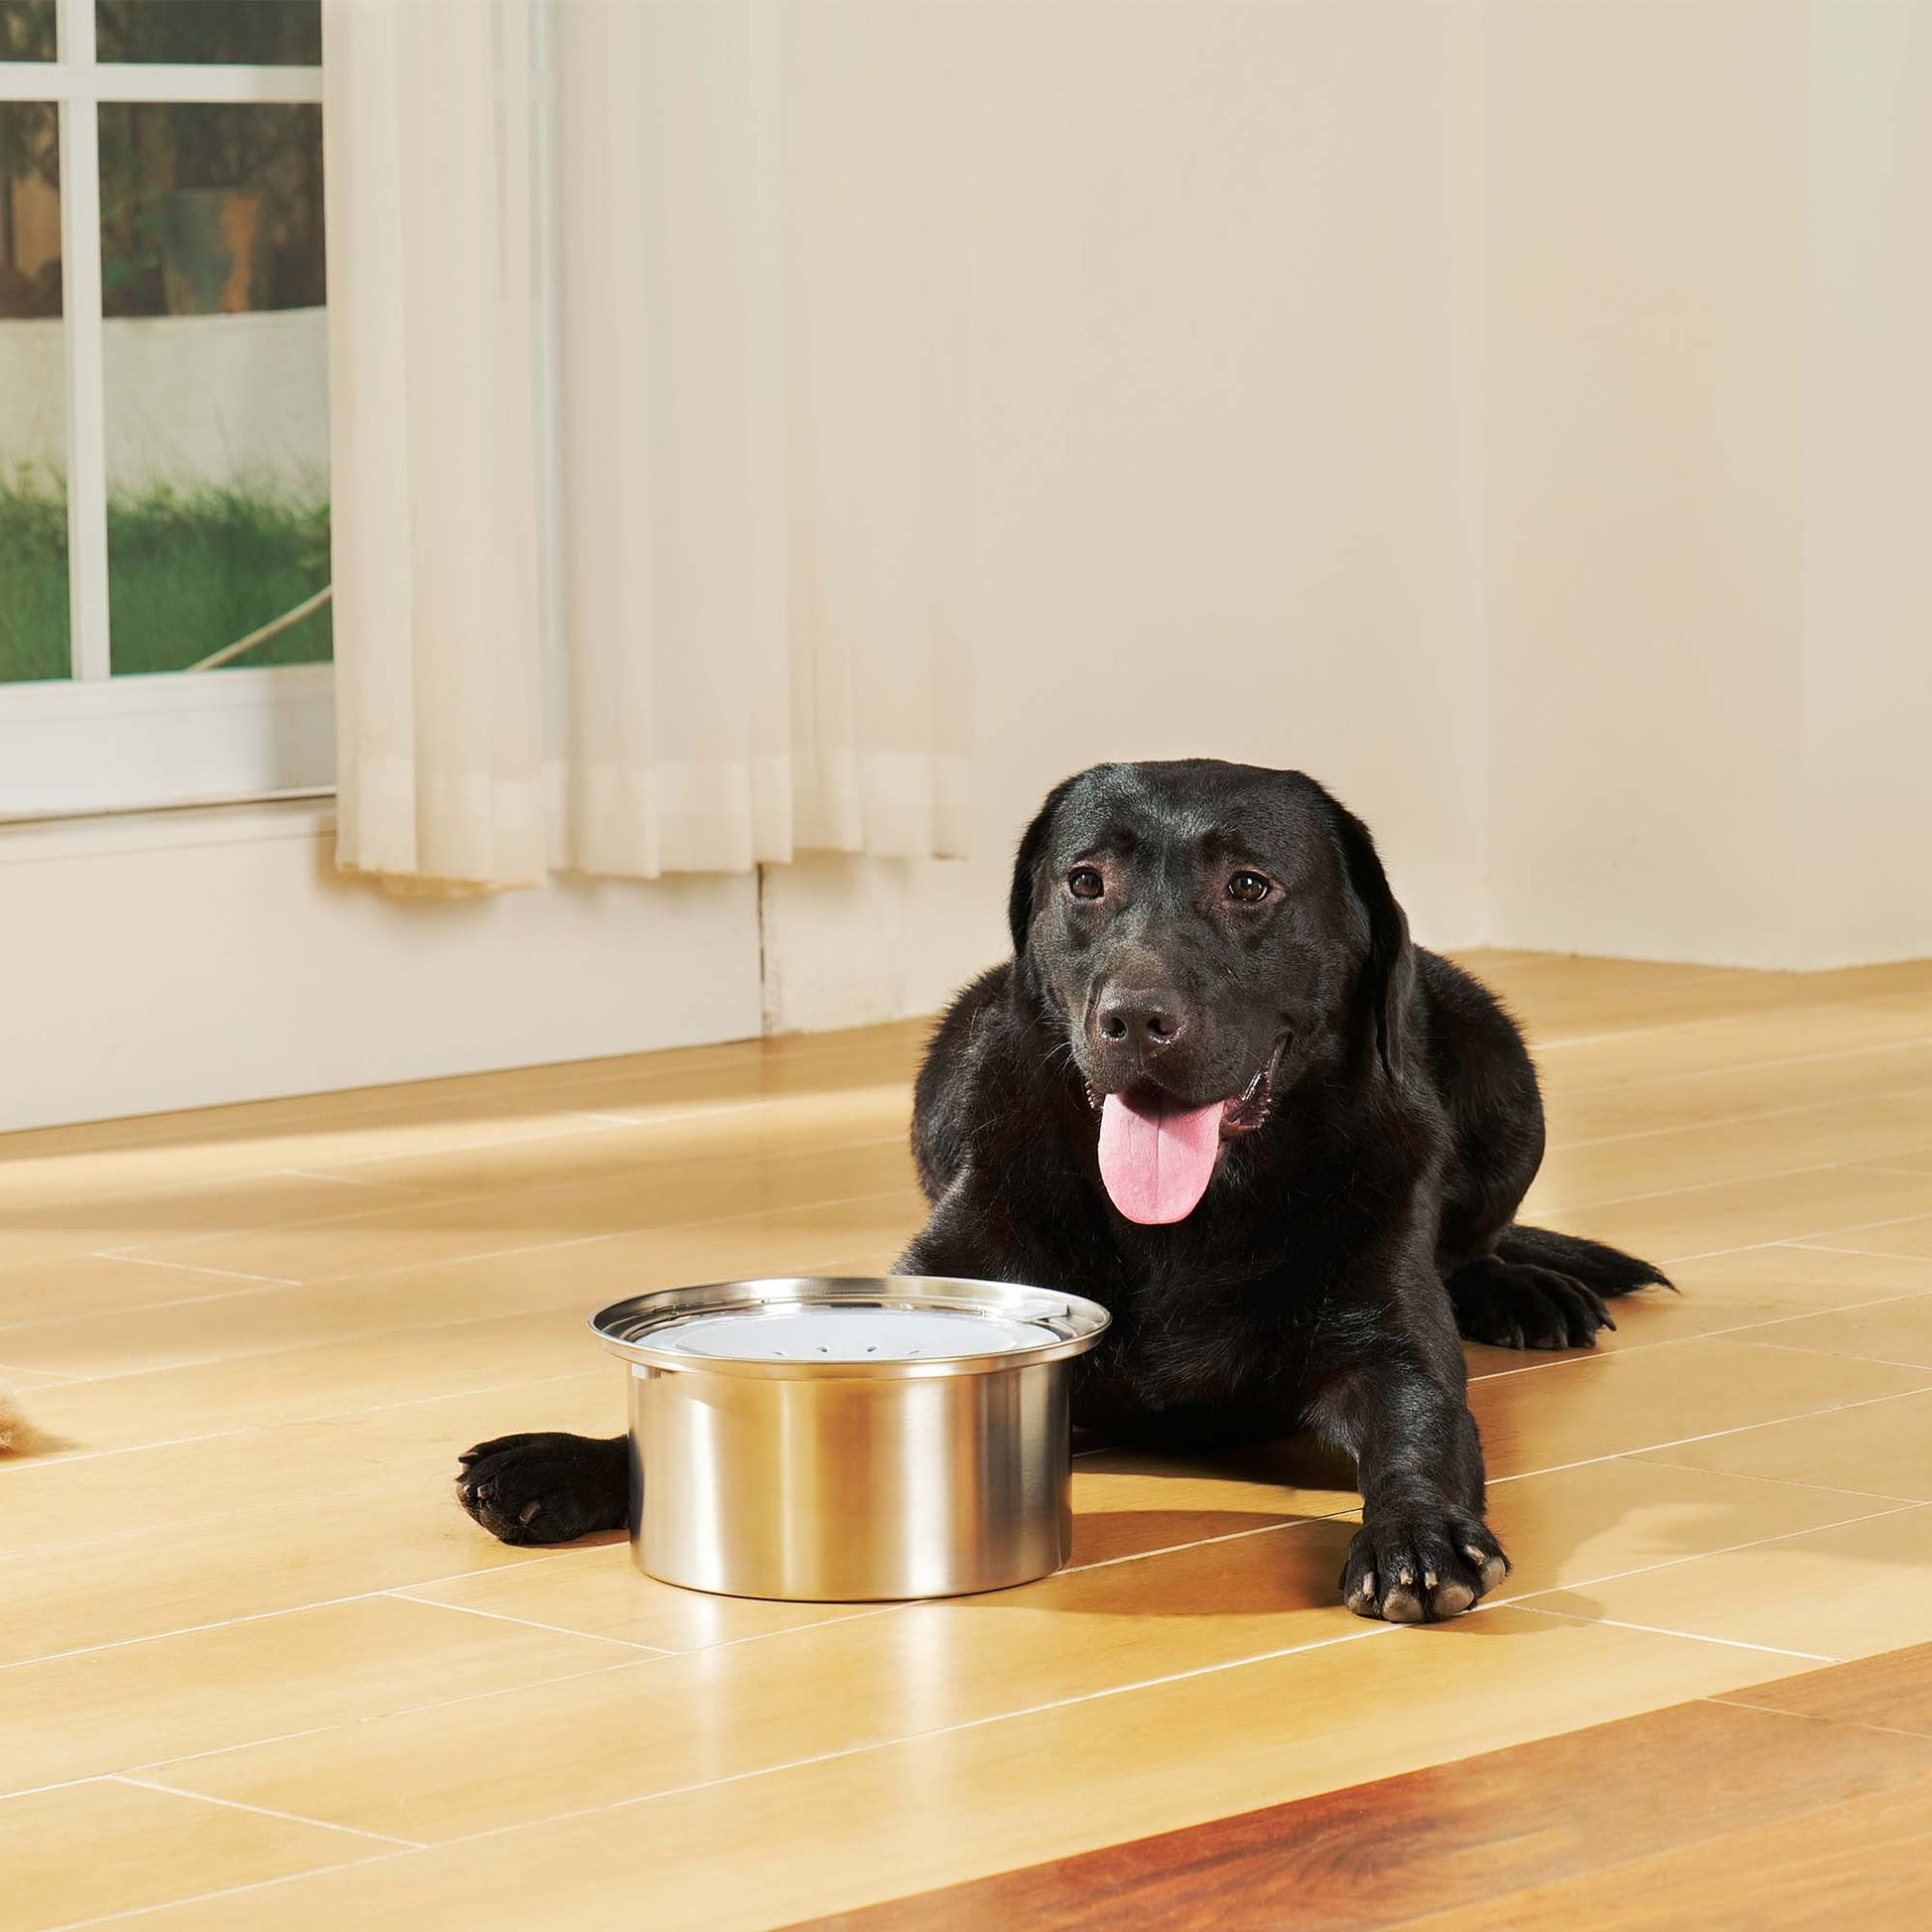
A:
{"x":33,"y":400}
{"x":26,"y":30}
{"x":223,"y":33}
{"x":216,"y":380}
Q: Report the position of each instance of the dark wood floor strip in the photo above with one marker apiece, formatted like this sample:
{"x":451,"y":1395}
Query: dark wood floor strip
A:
{"x":1893,"y":1691}
{"x":1865,"y":1861}
{"x":1530,"y":1836}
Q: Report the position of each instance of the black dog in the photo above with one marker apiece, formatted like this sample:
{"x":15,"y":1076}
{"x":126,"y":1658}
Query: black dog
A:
{"x":1218,"y":1090}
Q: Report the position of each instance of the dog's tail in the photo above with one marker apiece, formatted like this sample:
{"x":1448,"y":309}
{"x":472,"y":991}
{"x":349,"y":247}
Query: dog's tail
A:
{"x":1609,"y":1271}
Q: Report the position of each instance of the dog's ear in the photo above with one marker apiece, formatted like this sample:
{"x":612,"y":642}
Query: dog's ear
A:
{"x":1025,"y":867}
{"x":1389,"y":974}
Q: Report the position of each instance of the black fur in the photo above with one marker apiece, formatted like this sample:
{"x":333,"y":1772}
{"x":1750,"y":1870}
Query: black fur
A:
{"x":546,"y":1489}
{"x":1361,"y":1209}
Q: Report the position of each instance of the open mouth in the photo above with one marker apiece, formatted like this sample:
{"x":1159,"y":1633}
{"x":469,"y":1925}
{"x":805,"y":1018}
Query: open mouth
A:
{"x":1157,"y":1156}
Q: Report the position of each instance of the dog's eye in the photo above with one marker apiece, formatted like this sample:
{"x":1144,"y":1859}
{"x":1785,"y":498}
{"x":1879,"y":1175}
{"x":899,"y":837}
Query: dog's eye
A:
{"x":1249,"y":887}
{"x":1084,"y":882}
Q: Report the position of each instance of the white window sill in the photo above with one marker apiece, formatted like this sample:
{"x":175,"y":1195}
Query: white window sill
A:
{"x":305,"y":815}
{"x":74,"y":748}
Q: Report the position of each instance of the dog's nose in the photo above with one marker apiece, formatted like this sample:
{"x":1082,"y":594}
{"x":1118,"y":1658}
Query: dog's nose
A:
{"x":1146,"y":1018}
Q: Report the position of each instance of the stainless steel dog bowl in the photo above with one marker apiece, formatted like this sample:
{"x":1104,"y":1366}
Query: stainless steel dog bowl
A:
{"x":843,"y":1441}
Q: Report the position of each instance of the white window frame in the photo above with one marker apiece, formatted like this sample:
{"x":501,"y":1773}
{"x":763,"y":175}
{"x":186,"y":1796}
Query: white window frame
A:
{"x":95,"y":743}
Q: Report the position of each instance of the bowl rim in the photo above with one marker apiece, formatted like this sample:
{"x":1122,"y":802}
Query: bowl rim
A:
{"x":1072,"y":1324}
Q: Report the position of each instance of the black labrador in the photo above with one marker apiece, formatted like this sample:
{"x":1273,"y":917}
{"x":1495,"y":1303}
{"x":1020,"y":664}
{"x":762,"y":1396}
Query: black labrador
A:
{"x":1217,"y":1089}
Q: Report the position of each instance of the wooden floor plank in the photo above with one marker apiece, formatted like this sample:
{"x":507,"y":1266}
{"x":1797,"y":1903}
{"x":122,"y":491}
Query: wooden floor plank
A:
{"x":387,"y":1239}
{"x":1876,"y":1129}
{"x":88,"y":1851}
{"x":1847,"y":1591}
{"x":1865,"y":1861}
{"x":1911,"y":1236}
{"x":190,"y":1216}
{"x":103,"y":1711}
{"x":208,"y":1318}
{"x":1892,"y":1692}
{"x":1581,"y":1116}
{"x":1805,"y":1203}
{"x":1883,"y":1447}
{"x":1624,"y":1403}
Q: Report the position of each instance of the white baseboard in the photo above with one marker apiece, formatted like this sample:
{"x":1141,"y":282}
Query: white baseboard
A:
{"x":187,"y":959}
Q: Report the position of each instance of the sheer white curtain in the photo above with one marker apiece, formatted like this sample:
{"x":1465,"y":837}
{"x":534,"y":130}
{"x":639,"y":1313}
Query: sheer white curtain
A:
{"x":426,"y":112}
{"x":648,"y":325}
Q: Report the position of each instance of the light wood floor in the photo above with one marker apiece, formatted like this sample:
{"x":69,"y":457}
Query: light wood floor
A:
{"x":256,"y":1669}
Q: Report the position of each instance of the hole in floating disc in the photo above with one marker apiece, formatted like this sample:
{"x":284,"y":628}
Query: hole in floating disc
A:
{"x":853,"y":1334}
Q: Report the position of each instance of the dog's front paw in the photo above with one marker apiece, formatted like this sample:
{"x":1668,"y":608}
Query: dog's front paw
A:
{"x":545,"y":1488}
{"x":1418,"y":1563}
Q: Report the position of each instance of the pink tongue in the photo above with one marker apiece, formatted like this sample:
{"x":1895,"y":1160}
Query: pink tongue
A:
{"x":1156,"y":1162}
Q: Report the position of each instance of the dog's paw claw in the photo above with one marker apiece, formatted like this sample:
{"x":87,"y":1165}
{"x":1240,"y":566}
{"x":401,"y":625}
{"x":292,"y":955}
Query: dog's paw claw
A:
{"x":1491,"y":1566}
{"x":1450,"y":1550}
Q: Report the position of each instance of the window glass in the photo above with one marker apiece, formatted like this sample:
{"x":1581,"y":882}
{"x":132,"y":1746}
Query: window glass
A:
{"x":221,"y":33}
{"x":26,"y":30}
{"x":33,"y":399}
{"x":215,"y":379}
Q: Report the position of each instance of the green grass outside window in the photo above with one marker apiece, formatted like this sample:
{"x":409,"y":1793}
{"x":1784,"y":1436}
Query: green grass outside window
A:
{"x":189,"y":570}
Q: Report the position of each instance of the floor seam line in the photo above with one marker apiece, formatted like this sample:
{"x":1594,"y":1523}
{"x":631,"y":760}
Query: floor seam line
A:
{"x":569,"y":1242}
{"x":1560,"y":1358}
{"x":647,"y":1653}
{"x":943,"y":1730}
{"x":402,"y":1594}
{"x":188,"y":1266}
{"x":251,"y":1616}
{"x":264,"y":1811}
{"x":1557,"y":1146}
{"x":1700,"y":1555}
{"x":1584,"y":1206}
{"x":1683,"y":1026}
{"x":225,"y":1892}
{"x":399,"y":1711}
{"x":433,"y":1199}
{"x":305,"y":1422}
{"x":1872,"y":1254}
{"x":1714,"y":1435}
{"x":1687,"y":1636}
{"x":1741,"y":1701}
{"x":1811,"y":1238}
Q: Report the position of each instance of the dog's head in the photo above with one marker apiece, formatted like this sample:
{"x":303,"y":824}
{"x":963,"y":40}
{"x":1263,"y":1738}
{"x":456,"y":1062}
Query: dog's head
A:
{"x":1208,"y":933}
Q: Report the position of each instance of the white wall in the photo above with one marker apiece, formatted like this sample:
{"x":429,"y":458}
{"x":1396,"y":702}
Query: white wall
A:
{"x":1644,"y":192}
{"x":1865,"y":872}
{"x":1223,"y":443}
{"x":1517,"y":414}
{"x":195,"y":399}
{"x":1709,"y":434}
{"x":189,"y":958}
